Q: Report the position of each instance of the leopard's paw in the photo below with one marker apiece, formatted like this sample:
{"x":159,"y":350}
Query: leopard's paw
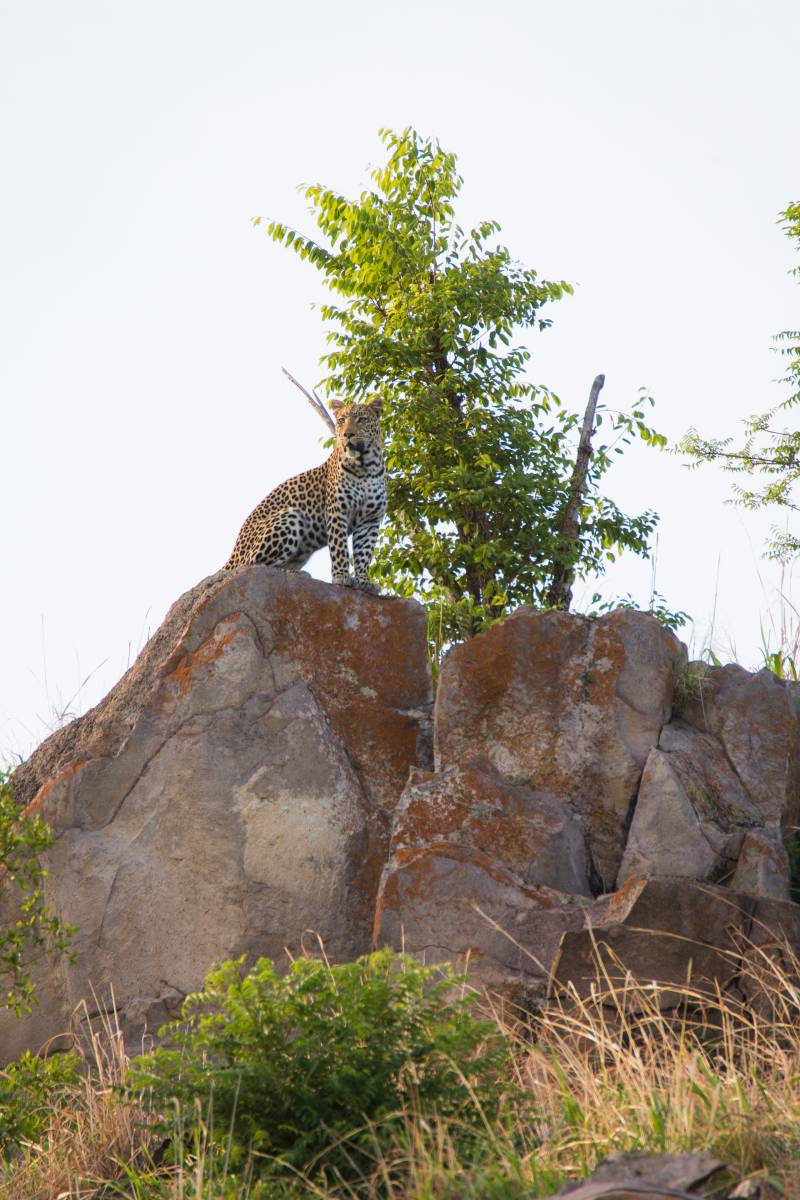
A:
{"x":366,"y":585}
{"x":343,"y":581}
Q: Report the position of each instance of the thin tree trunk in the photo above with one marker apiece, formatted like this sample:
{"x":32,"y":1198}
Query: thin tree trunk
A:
{"x":560,"y":591}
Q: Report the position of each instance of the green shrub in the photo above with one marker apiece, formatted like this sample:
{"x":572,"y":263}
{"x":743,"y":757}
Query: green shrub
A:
{"x":22,"y":839}
{"x":314,"y":1071}
{"x":30,"y":1089}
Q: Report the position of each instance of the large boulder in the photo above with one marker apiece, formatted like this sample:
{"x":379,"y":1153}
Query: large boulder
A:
{"x":365,"y":659}
{"x":567,"y":705}
{"x":230,"y":795}
{"x":553,"y":734}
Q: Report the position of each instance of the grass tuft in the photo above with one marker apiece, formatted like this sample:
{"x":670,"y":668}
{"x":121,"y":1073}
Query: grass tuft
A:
{"x":93,"y":1138}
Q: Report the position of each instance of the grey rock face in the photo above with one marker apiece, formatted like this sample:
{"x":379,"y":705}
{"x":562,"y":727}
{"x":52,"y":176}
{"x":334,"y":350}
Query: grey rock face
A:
{"x":230,"y":795}
{"x":692,"y":812}
{"x":754,"y":719}
{"x":674,"y":933}
{"x":455,"y":904}
{"x":721,"y":792}
{"x":763,"y":866}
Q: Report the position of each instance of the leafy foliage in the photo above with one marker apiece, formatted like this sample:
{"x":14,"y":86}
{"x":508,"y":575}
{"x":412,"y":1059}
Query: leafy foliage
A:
{"x":793,"y":851}
{"x":426,"y":314}
{"x":766,"y":451}
{"x":315,"y":1069}
{"x":22,"y":839}
{"x":29,"y":1090}
{"x":658,"y":608}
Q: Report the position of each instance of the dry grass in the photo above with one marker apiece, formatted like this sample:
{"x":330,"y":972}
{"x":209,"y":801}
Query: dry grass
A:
{"x":618,"y":1071}
{"x":90,"y":1138}
{"x":614,"y":1071}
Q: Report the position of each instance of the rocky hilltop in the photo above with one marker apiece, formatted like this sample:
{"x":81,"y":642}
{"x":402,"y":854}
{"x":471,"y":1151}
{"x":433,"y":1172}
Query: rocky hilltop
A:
{"x":273,"y":769}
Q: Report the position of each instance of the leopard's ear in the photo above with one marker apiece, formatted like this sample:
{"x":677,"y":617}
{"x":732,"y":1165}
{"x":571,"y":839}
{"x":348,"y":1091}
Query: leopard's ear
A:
{"x":376,"y":403}
{"x":338,"y":408}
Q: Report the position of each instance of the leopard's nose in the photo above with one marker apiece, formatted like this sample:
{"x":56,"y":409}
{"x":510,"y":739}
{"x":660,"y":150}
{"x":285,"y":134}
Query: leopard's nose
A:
{"x":359,"y":447}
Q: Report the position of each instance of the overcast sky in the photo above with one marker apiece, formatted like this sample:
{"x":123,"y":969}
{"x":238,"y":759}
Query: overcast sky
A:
{"x":639,"y":149}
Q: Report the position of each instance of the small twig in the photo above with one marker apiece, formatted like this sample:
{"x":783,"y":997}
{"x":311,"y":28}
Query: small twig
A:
{"x":315,"y":402}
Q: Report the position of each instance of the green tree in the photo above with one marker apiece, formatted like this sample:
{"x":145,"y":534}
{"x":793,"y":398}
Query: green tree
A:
{"x":480,"y":459}
{"x":22,"y":839}
{"x":770,"y":452}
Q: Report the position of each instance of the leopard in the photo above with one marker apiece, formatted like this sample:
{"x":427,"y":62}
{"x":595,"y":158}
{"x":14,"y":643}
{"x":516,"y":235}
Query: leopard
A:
{"x":344,"y":496}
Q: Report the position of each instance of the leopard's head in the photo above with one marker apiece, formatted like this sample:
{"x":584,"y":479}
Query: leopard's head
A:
{"x":358,"y":429}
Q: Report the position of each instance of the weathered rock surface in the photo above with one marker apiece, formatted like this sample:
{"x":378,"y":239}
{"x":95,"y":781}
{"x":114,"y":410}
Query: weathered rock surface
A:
{"x":525,"y":942}
{"x":365,"y":659}
{"x":484,"y":872}
{"x":230,"y":793}
{"x":721,"y":792}
{"x":649,"y":1176}
{"x":754,"y":718}
{"x":692,"y":812}
{"x":531,"y":833}
{"x":672,"y":931}
{"x":455,"y":904}
{"x":568,"y":705}
{"x":265,"y":771}
{"x":763,"y":866}
{"x":550,"y":729}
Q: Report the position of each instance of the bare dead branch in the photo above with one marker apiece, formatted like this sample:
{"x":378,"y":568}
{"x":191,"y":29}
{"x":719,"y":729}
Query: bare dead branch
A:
{"x":560,"y":593}
{"x":315,"y":402}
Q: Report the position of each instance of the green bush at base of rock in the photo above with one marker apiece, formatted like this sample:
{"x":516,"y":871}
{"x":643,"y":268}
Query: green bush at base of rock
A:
{"x":317,"y":1070}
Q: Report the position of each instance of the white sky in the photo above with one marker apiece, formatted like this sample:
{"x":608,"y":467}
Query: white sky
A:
{"x":638,"y":149}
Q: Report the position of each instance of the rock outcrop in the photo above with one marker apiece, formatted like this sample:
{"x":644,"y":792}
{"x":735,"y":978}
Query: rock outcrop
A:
{"x":231,"y":793}
{"x":269,"y":771}
{"x":754,"y":719}
{"x":661,"y":763}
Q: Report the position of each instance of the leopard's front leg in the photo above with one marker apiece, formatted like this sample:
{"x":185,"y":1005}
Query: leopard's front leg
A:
{"x":337,"y":543}
{"x":364,"y":538}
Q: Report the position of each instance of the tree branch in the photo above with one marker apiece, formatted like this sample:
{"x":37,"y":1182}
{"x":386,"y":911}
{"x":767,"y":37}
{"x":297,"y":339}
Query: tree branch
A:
{"x":560,"y":592}
{"x":315,"y":402}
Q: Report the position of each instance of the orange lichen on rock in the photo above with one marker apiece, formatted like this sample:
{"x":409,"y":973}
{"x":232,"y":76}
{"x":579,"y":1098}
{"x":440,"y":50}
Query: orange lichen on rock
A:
{"x":177,"y":679}
{"x":529,"y":833}
{"x":55,"y":795}
{"x":569,"y":704}
{"x":366,"y":660}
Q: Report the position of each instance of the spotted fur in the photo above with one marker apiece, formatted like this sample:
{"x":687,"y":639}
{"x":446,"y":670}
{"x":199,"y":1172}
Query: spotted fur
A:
{"x":345,"y":495}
